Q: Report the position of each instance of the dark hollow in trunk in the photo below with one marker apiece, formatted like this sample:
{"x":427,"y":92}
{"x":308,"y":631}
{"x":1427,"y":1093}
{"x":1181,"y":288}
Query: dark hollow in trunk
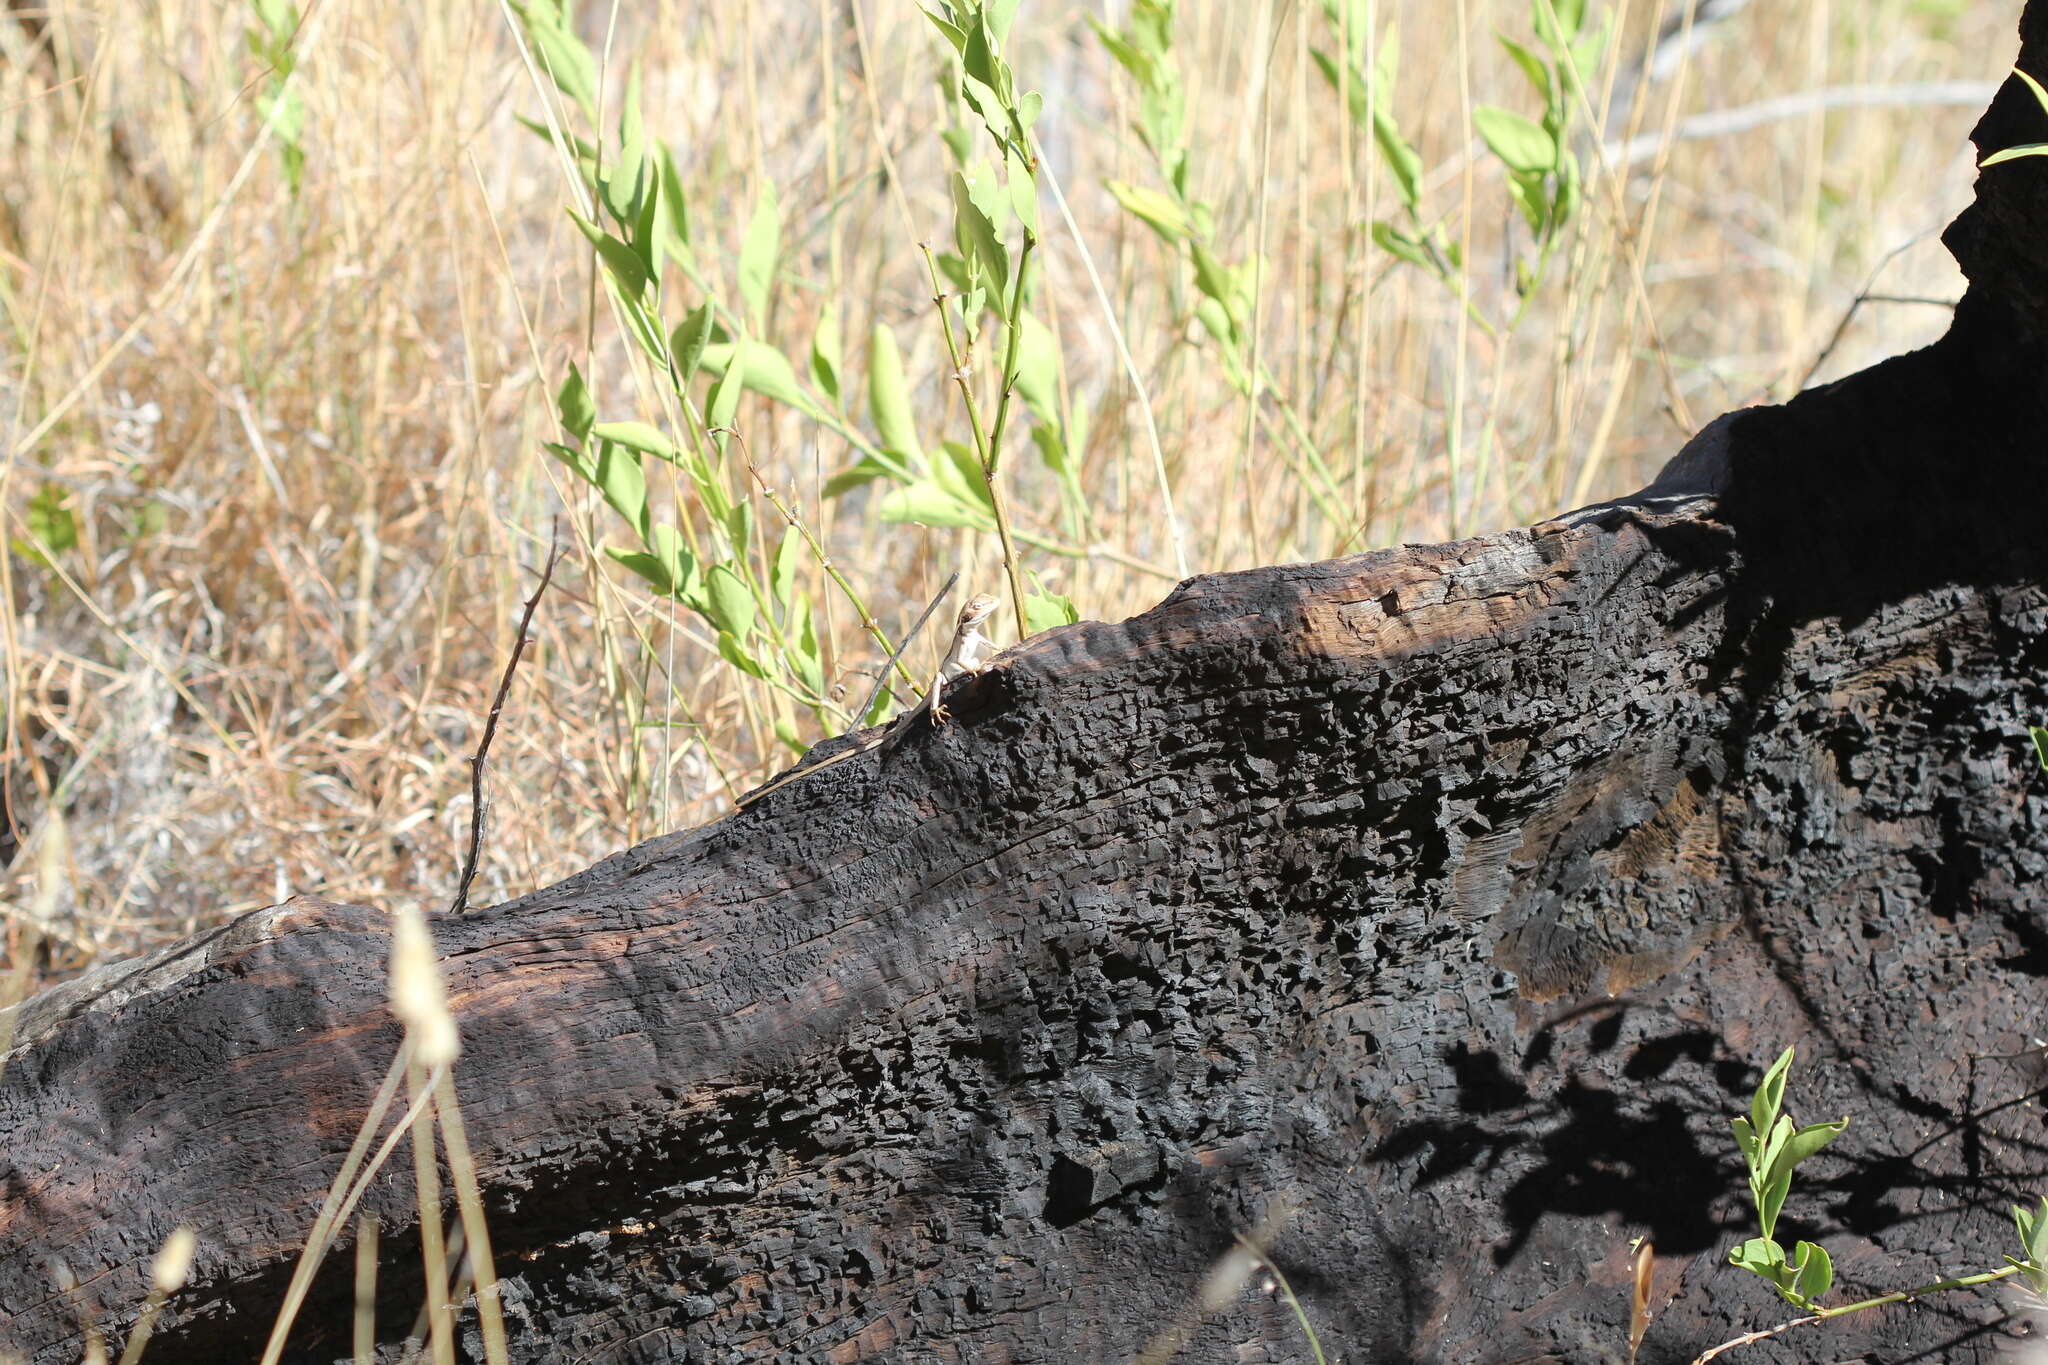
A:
{"x":1431,"y":910}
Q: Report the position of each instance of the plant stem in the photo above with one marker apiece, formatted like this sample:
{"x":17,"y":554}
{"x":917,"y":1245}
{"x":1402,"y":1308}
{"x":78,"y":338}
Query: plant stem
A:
{"x":962,"y":378}
{"x":868,"y":622}
{"x":1900,"y":1296}
{"x":992,"y":456}
{"x":1822,"y":1314}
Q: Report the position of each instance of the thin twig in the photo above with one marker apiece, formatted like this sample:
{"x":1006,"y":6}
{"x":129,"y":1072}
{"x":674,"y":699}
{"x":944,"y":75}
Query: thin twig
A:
{"x":882,"y":678}
{"x":1743,"y":117}
{"x":1863,"y":296}
{"x":483,"y":748}
{"x":1123,"y":352}
{"x":1751,"y":1337}
{"x":868,"y":622}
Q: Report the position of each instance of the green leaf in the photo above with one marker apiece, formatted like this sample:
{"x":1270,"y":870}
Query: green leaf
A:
{"x":682,"y":565}
{"x":1044,"y":610}
{"x":1001,"y":13}
{"x":2033,"y":1226}
{"x":2016,"y":152}
{"x":637,"y":436}
{"x":1803,"y":1143}
{"x":561,"y":53}
{"x":572,"y":401}
{"x":739,"y":524}
{"x":647,"y":238}
{"x":1532,"y":65}
{"x":1215,"y":279}
{"x":1525,"y":188}
{"x":1813,"y":1271}
{"x":1566,"y":203}
{"x":825,"y":356}
{"x":738,"y":655}
{"x":953,"y":33}
{"x":1023,"y":190}
{"x":765,"y":370}
{"x":2040,"y":737}
{"x":974,"y":228}
{"x":584,"y":149}
{"x":1520,"y":143}
{"x":1746,"y":1142}
{"x":809,"y":661}
{"x":2040,"y":94}
{"x":647,"y":566}
{"x":782,"y":573}
{"x":675,"y":216}
{"x":621,"y":262}
{"x":632,"y":128}
{"x":978,"y":56}
{"x":1401,"y":157}
{"x":686,"y":344}
{"x":1556,"y":32}
{"x":1770,"y":1095}
{"x":1051,"y":448}
{"x":1393,"y":240}
{"x":50,"y":522}
{"x":1761,"y":1256}
{"x":889,"y":397}
{"x":730,"y":600}
{"x":963,"y":477}
{"x":1587,"y":52}
{"x":724,"y":401}
{"x":864,"y":470}
{"x":623,"y":484}
{"x":1038,"y":367}
{"x":758,"y":252}
{"x":1770,"y":1201}
{"x":579,"y":463}
{"x":1158,"y":212}
{"x":927,"y":503}
{"x":631,"y":177}
{"x":959,"y":142}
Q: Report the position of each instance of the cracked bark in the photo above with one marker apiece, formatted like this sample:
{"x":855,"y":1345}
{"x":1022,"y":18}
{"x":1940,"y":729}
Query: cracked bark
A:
{"x":1432,"y":909}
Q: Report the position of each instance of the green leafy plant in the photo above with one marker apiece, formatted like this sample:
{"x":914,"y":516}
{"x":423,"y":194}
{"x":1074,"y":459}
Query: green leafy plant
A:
{"x":2040,"y":738}
{"x":1540,"y":172}
{"x":646,"y":239}
{"x":1772,"y":1147}
{"x":52,"y":529}
{"x":270,"y":42}
{"x":1368,"y":101}
{"x":1186,"y":224}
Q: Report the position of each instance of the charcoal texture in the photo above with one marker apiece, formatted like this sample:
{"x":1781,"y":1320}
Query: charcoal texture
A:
{"x":1428,"y":913}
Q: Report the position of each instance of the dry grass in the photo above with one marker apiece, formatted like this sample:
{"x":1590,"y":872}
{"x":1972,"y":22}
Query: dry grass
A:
{"x":309,"y":490}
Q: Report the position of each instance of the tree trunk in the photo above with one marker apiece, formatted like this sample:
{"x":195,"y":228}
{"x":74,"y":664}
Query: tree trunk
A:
{"x":1427,"y":913}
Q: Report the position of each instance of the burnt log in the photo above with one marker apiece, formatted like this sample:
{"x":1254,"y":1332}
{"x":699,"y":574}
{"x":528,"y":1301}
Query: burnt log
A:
{"x":1429,"y":912}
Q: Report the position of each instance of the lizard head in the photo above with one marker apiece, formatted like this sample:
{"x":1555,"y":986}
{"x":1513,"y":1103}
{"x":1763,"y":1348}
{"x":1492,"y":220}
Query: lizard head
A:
{"x":978,"y":609}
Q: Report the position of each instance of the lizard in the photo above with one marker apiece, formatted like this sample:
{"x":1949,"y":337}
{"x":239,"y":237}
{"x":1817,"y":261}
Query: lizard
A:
{"x":962,"y":659}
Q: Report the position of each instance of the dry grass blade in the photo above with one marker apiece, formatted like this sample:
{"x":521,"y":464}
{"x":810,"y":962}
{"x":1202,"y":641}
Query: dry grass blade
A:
{"x":365,"y":1323}
{"x":166,"y":1277}
{"x":1644,"y":1270}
